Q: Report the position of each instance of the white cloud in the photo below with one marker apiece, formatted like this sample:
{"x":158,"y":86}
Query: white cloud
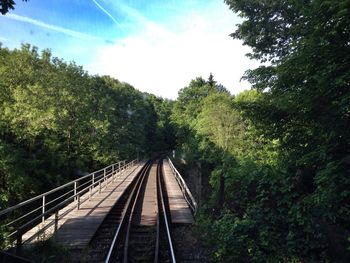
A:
{"x":160,"y":61}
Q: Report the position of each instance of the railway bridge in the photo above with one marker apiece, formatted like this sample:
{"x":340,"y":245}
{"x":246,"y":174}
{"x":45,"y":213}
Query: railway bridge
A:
{"x":125,"y":212}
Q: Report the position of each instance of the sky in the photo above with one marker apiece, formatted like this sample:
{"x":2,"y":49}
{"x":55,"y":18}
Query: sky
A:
{"x":157,"y":46}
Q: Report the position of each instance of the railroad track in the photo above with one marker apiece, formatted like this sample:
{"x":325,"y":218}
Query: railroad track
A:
{"x":137,"y":229}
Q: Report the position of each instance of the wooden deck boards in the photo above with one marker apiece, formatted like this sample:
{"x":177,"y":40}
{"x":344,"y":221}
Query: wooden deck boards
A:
{"x":77,"y":227}
{"x":149,"y":203}
{"x":179,"y":209}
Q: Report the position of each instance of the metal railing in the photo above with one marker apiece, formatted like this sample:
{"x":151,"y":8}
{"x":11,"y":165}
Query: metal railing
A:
{"x":19,"y":219}
{"x":185,"y":190}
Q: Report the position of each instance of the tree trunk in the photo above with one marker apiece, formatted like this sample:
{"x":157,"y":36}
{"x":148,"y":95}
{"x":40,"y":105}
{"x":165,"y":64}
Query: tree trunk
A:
{"x":199,"y":183}
{"x":221,"y":199}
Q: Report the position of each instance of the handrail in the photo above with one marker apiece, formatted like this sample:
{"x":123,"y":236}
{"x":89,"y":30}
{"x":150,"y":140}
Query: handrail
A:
{"x":5,"y":211}
{"x":185,"y":190}
{"x":97,"y":178}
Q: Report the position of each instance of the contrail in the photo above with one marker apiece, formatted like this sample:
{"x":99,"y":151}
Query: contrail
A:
{"x":106,"y":12}
{"x":63,"y":30}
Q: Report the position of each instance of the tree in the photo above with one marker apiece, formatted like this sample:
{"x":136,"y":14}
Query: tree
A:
{"x":163,"y":130}
{"x":211,"y":81}
{"x":304,"y":105}
{"x":57,"y":121}
{"x":221,"y":124}
{"x":190,"y":101}
{"x":6,"y":5}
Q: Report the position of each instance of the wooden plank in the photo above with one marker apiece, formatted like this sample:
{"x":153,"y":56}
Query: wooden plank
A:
{"x":149,"y":203}
{"x":77,"y":227}
{"x":97,"y":209}
{"x":179,"y":209}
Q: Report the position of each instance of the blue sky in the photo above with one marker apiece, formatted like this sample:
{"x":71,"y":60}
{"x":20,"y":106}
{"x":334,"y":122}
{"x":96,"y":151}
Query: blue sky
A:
{"x":157,"y":46}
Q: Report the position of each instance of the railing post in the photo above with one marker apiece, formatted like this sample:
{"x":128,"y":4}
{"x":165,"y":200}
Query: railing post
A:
{"x":93,"y":178}
{"x":104,"y":177}
{"x":90,"y":194}
{"x":78,"y":206}
{"x":18,"y":241}
{"x":75,"y":191}
{"x":113,"y":175}
{"x":119,"y":166}
{"x":43,"y":210}
{"x":56,"y":221}
{"x":99,"y":185}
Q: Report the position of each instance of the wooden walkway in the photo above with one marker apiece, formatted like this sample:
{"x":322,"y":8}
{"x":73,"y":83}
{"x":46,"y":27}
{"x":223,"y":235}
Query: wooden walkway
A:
{"x":149,"y":203}
{"x":179,"y":209}
{"x":77,"y":227}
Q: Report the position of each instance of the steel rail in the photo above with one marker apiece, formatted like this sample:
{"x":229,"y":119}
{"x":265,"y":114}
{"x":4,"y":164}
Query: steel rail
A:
{"x":128,"y":229}
{"x":165,"y":216}
{"x":156,"y":254}
{"x":126,"y":212}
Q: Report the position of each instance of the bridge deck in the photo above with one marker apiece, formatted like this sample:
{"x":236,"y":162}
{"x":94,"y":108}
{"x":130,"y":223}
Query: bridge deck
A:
{"x":77,"y":227}
{"x":179,"y":209}
{"x":149,"y":202}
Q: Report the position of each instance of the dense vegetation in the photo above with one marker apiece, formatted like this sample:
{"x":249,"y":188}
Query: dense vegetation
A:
{"x":279,"y":154}
{"x":57,"y":122}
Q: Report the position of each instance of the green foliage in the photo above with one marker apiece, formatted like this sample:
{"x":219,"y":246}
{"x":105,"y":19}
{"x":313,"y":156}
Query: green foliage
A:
{"x":6,"y":5}
{"x":48,"y":251}
{"x":278,"y":154}
{"x":186,"y":109}
{"x":283,"y":147}
{"x":305,"y":105}
{"x":162,"y":133}
{"x":57,"y":122}
{"x":219,"y":122}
